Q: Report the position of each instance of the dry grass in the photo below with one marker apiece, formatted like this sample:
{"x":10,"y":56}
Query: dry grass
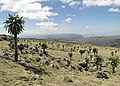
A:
{"x":14,"y":74}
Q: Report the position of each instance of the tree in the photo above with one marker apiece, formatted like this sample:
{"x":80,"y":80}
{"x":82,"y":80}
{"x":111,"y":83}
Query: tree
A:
{"x":70,"y":55}
{"x":114,"y":61}
{"x":26,"y":46}
{"x":82,"y":52}
{"x":87,"y":62}
{"x":21,"y":47}
{"x":98,"y":61}
{"x":112,"y":53}
{"x":95,"y":51}
{"x":14,"y":25}
{"x":89,"y":49}
{"x":11,"y":44}
{"x":44,"y":46}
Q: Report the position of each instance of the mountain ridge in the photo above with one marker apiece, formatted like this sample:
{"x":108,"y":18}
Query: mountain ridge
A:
{"x":63,"y":36}
{"x":112,"y":41}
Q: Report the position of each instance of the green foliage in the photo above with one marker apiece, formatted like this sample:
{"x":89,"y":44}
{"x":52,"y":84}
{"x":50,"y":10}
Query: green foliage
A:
{"x":21,"y":47}
{"x":11,"y":44}
{"x":95,"y":51}
{"x":70,"y":55}
{"x":68,"y":62}
{"x":98,"y":61}
{"x":26,"y":45}
{"x":90,"y":49}
{"x":114,"y":61}
{"x":44,"y":46}
{"x":87,"y":62}
{"x":14,"y":25}
{"x":82,"y":52}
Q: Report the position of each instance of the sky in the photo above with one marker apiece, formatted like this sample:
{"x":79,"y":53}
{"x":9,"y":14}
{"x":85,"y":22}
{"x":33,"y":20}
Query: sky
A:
{"x":64,"y":16}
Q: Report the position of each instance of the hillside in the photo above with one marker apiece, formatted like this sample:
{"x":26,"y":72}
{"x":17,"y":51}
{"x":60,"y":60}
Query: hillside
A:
{"x":54,"y":69}
{"x":4,"y":37}
{"x":112,"y":41}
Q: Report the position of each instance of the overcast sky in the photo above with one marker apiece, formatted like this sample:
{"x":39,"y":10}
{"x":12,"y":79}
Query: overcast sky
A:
{"x":64,"y":16}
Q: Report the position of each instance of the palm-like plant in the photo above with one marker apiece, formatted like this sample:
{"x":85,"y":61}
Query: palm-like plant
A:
{"x":95,"y":51}
{"x":114,"y":61}
{"x":98,"y":61}
{"x":21,"y":47}
{"x":11,"y":44}
{"x":70,"y":55}
{"x":44,"y":46}
{"x":82,"y":52}
{"x":87,"y":62}
{"x":14,"y":25}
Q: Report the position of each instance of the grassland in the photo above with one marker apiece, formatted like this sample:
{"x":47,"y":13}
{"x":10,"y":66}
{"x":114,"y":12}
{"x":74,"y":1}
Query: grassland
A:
{"x":34,"y":69}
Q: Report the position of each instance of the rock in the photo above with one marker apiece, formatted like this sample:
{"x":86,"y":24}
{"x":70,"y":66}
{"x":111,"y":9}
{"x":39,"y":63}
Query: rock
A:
{"x":6,"y":61}
{"x":83,"y":64}
{"x":102,"y":74}
{"x":5,"y":54}
{"x":51,"y":65}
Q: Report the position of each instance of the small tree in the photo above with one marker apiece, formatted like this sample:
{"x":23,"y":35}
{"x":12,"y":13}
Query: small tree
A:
{"x":98,"y":61}
{"x":11,"y":44}
{"x":89,"y":49}
{"x":114,"y":61}
{"x":44,"y":46}
{"x":95,"y":51}
{"x":82,"y":52}
{"x":70,"y":55}
{"x":87,"y":62}
{"x":21,"y":47}
{"x":112,"y":53}
{"x":26,"y":46}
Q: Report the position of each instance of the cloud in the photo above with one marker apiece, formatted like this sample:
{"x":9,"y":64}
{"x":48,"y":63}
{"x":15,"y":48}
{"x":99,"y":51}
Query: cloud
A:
{"x":87,"y":27}
{"x":89,"y":3}
{"x":63,"y":6}
{"x":113,"y":10}
{"x":66,"y":1}
{"x":31,"y":9}
{"x":71,"y":2}
{"x":47,"y":25}
{"x":116,"y":2}
{"x":68,"y":20}
{"x":74,"y":3}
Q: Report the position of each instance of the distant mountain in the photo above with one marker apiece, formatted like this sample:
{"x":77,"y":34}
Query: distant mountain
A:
{"x":65,"y":36}
{"x":112,"y":41}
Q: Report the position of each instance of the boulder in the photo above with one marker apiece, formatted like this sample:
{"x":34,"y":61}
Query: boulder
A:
{"x":83,"y":64}
{"x":102,"y":74}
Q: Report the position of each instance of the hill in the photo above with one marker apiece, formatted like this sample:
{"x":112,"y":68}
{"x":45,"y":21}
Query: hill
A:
{"x":54,"y":69}
{"x":65,"y":36}
{"x":112,"y":41}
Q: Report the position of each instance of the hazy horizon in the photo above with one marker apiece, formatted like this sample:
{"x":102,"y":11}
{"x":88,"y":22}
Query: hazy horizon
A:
{"x":85,"y":17}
